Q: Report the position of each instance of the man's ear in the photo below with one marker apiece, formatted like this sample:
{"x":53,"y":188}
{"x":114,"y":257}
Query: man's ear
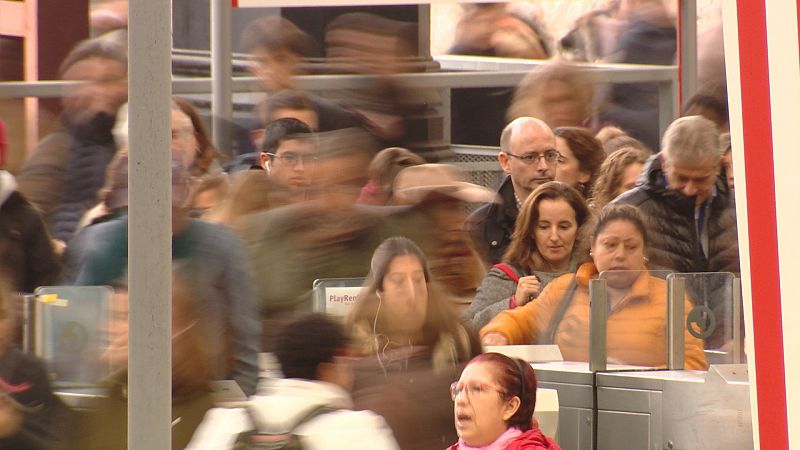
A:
{"x":264,"y":161}
{"x":504,"y":162}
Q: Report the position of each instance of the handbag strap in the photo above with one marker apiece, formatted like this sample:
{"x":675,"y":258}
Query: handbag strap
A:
{"x":508,"y":271}
{"x":566,"y":300}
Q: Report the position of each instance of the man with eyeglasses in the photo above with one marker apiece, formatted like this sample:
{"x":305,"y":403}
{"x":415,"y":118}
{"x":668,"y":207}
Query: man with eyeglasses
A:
{"x":528,"y":155}
{"x":289,"y":155}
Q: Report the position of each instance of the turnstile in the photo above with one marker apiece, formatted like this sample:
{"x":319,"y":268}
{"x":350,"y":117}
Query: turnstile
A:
{"x":628,"y":408}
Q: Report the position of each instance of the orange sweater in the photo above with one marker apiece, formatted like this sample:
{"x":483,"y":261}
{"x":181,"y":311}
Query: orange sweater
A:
{"x":636,"y":325}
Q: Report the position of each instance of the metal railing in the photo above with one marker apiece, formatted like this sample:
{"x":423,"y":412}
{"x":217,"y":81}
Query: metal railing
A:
{"x":461,"y":72}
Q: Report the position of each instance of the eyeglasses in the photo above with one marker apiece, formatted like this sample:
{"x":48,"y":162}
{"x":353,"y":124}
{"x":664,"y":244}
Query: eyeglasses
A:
{"x":474,"y":389}
{"x":550,"y":157}
{"x":291,"y":158}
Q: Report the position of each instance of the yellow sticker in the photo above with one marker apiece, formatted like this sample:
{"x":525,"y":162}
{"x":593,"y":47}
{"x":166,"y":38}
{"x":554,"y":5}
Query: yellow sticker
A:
{"x":52,"y":299}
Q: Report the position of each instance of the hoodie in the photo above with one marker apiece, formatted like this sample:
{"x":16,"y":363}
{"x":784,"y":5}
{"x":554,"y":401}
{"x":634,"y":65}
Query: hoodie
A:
{"x":284,"y":402}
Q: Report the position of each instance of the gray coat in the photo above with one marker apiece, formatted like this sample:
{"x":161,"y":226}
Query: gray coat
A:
{"x":496,"y":289}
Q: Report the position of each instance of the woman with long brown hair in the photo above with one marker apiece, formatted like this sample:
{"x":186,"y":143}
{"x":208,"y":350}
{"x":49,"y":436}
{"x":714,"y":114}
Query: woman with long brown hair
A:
{"x":402,"y":315}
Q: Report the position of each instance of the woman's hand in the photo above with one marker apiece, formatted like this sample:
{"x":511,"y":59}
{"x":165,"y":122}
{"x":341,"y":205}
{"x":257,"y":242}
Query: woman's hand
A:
{"x":10,"y":418}
{"x":527,"y":289}
{"x":494,"y":339}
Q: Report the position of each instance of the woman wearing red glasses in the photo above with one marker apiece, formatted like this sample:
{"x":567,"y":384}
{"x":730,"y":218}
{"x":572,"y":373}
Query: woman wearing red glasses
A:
{"x":493,"y":406}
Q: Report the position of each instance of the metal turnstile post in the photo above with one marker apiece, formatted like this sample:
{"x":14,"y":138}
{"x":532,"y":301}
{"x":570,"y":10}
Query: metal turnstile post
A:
{"x":598,"y":315}
{"x":676,"y":293}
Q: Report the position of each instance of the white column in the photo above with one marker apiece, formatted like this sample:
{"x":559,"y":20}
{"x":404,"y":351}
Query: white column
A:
{"x":149,"y":226}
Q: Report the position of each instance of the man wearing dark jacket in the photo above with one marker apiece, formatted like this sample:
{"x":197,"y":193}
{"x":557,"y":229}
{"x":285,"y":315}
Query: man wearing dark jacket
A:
{"x":528,"y":155}
{"x":691,"y":217}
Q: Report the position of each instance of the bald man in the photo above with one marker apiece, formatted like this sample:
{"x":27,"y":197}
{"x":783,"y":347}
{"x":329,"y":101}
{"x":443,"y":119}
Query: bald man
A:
{"x":528,"y":155}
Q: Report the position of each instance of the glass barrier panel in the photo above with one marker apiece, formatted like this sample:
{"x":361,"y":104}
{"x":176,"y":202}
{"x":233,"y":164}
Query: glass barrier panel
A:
{"x":715,"y":313}
{"x":635,"y":318}
{"x":71,"y":333}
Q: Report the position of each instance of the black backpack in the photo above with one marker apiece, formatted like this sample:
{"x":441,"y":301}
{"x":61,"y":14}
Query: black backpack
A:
{"x":255,"y":440}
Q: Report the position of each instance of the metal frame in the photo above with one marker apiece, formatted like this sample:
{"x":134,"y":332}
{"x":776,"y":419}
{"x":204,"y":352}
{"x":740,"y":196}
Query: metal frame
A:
{"x":221,"y":74}
{"x":737,"y":321}
{"x":475,"y":72}
{"x":598,"y":325}
{"x":688,"y":48}
{"x":676,"y":293}
{"x":150,"y":225}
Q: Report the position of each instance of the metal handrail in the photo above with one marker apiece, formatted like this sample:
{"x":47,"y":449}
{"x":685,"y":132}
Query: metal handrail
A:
{"x":464,"y":79}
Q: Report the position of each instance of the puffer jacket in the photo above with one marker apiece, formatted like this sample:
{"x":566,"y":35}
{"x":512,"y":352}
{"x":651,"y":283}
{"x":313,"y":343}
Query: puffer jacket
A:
{"x":491,"y":225}
{"x":674,"y":243}
{"x":636,"y":325}
{"x":91,"y":151}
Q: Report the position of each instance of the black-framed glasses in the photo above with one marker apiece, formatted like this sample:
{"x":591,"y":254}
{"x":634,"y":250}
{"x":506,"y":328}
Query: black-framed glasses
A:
{"x":550,"y":157}
{"x":291,"y":158}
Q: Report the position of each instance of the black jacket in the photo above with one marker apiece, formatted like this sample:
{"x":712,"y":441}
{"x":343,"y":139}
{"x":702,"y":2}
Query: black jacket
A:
{"x":491,"y":225}
{"x":27,"y":257}
{"x":46,"y":417}
{"x":674,"y":243}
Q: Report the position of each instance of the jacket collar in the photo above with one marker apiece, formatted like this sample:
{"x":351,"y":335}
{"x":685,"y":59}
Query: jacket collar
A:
{"x":509,"y":201}
{"x":641,"y":287}
{"x":654,"y":180}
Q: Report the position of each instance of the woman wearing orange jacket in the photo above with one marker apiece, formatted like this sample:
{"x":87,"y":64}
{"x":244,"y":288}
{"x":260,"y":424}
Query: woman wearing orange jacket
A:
{"x":637,"y":303}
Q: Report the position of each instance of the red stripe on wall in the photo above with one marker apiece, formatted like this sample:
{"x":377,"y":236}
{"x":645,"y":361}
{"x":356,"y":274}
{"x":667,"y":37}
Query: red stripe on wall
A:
{"x":760,"y":179}
{"x":235,"y":3}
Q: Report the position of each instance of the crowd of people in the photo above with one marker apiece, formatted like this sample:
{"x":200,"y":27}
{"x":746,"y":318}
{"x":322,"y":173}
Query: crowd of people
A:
{"x":343,"y":187}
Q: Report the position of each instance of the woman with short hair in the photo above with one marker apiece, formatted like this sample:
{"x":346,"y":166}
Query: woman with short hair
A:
{"x":494,"y":402}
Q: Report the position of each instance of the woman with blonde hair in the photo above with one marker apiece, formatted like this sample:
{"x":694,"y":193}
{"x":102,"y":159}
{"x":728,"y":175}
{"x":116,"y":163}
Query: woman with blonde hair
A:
{"x":617,"y":175}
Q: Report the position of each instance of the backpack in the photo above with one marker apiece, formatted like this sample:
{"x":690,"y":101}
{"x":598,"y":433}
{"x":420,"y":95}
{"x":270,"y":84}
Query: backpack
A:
{"x":255,"y":440}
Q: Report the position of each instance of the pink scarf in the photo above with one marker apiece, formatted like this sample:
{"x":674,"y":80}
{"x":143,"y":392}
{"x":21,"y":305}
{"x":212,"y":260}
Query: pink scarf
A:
{"x":499,"y":444}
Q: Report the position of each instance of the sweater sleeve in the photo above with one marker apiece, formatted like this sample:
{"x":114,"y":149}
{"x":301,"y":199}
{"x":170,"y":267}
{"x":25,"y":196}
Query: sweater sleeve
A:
{"x":523,"y":325}
{"x":246,"y":323}
{"x":491,"y":298}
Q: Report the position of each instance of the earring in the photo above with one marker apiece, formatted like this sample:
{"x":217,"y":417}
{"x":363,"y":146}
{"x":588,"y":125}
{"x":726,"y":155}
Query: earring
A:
{"x":591,"y":253}
{"x":646,"y":259}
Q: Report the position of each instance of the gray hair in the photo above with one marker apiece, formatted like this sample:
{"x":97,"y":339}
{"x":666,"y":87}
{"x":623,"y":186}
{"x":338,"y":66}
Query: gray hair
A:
{"x":514,"y":126}
{"x":692,"y":140}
